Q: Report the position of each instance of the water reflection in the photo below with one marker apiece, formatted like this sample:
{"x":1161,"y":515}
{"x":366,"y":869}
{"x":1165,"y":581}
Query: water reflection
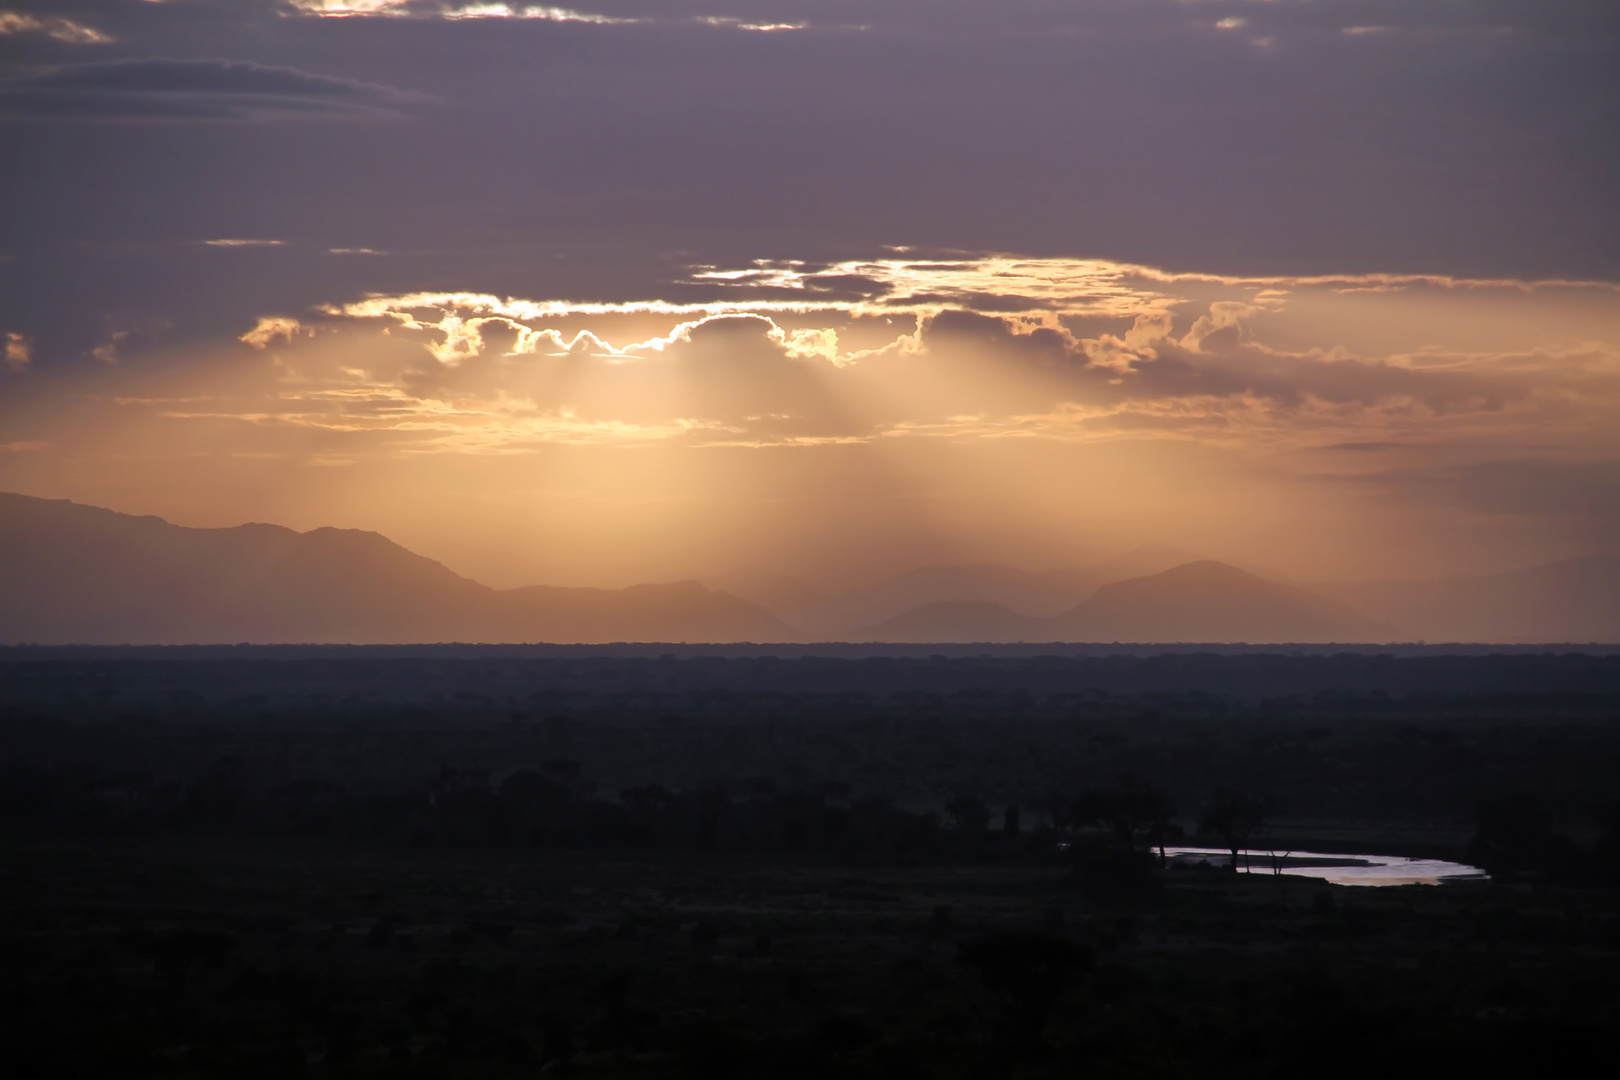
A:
{"x":1339,"y":869}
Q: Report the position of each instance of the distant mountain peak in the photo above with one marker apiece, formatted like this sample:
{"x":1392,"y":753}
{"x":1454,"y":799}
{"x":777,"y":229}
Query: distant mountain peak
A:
{"x":1212,"y":601}
{"x":1205,"y":573}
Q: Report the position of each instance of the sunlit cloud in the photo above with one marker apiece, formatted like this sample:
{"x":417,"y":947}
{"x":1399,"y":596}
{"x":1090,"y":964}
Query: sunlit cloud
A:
{"x":346,"y":8}
{"x":997,"y":347}
{"x":545,"y":14}
{"x":19,"y":351}
{"x":271,"y":327}
{"x":54,"y":27}
{"x":432,"y":9}
{"x":454,"y":12}
{"x":234,"y":243}
{"x":743,"y":24}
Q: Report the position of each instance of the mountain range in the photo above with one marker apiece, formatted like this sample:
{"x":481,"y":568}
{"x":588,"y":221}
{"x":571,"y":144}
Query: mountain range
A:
{"x":80,"y":574}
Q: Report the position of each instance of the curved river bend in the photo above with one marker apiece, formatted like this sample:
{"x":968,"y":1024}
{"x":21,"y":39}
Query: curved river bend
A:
{"x":1339,"y":869}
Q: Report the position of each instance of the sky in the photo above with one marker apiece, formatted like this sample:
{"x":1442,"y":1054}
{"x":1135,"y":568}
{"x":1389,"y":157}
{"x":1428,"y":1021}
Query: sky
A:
{"x":644,"y":291}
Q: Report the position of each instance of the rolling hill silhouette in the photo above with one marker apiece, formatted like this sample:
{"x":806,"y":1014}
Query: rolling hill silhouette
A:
{"x":838,"y":615}
{"x":1211,"y":601}
{"x":79,"y":574}
{"x":1202,"y":601}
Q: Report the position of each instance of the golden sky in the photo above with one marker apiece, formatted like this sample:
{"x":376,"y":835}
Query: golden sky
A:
{"x":839,"y":420}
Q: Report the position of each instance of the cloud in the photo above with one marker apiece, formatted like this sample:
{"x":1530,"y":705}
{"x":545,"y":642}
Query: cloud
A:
{"x":348,"y":8}
{"x":546,"y":14}
{"x":438,"y":9}
{"x":451,"y":11}
{"x":52,"y":26}
{"x":975,"y":348}
{"x":216,"y":89}
{"x":229,"y":243}
{"x":743,"y":24}
{"x":1008,"y":18}
{"x":107,"y":351}
{"x":19,"y":351}
{"x":1061,"y":316}
{"x":271,"y":327}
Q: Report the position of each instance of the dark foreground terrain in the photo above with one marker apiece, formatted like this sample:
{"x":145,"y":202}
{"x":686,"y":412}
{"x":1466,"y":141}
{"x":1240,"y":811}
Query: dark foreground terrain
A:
{"x":273,"y":863}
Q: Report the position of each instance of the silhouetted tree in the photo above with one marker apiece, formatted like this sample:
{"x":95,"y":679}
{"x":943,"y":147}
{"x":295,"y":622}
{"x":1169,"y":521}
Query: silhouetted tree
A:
{"x":1235,"y":817}
{"x":1162,"y":831}
{"x":1130,"y":809}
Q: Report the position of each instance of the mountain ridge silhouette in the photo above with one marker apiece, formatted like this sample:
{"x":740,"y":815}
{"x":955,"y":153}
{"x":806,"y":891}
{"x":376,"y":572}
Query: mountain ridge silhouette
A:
{"x":71,"y":573}
{"x":839,"y":614}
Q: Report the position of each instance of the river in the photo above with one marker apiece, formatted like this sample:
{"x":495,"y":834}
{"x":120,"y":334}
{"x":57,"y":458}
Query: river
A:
{"x":1339,"y":869}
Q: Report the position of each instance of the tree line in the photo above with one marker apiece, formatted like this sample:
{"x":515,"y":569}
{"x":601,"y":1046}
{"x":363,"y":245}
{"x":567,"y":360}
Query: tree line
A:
{"x":551,"y":805}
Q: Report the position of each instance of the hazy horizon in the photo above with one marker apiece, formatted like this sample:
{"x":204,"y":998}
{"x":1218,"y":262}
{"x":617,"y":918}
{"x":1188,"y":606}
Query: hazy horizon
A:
{"x":73,"y":573}
{"x":723,"y":580}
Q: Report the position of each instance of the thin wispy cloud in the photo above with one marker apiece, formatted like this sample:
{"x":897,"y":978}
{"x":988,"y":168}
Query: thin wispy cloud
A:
{"x":206,"y":89}
{"x":434,"y":9}
{"x":449,"y":11}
